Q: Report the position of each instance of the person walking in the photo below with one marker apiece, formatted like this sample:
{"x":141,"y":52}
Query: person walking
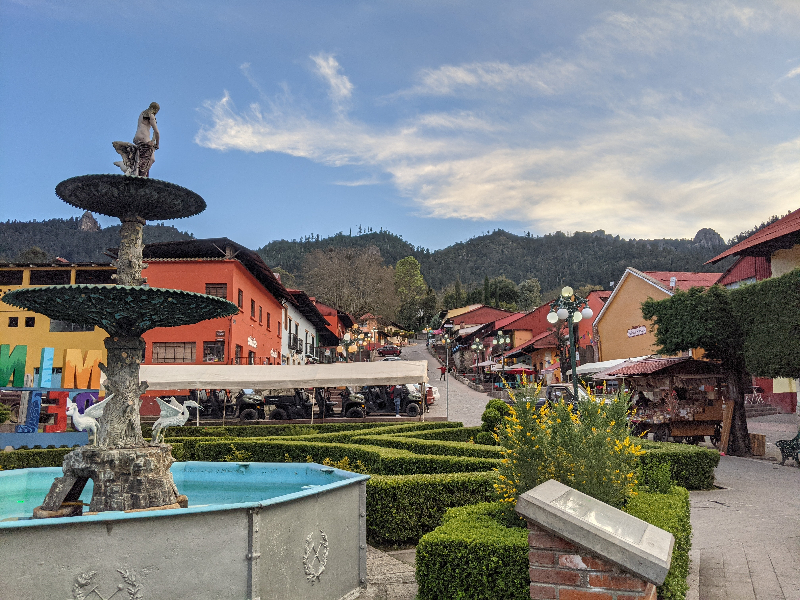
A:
{"x":443,"y":372}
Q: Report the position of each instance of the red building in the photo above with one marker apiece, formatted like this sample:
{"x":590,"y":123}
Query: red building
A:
{"x":218,"y":267}
{"x":338,"y":321}
{"x":478,"y":316}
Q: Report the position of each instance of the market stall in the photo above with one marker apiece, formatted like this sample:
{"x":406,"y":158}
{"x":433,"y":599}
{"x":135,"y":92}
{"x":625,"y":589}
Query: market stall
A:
{"x":678,"y":398}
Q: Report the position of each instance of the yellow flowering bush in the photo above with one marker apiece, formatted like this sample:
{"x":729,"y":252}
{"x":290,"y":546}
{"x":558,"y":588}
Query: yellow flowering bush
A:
{"x":588,"y":447}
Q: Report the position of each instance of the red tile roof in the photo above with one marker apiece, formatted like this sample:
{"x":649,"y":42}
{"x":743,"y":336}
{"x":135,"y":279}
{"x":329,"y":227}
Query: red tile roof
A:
{"x":684,"y":280}
{"x":785,"y":226}
{"x":500,"y":323}
{"x":747,"y":267}
{"x":642,"y":367}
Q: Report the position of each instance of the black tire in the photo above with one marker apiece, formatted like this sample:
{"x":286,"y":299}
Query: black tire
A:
{"x":717,"y":437}
{"x":354,"y":413}
{"x":248,"y":414}
{"x":278,"y":414}
{"x":412,"y":410}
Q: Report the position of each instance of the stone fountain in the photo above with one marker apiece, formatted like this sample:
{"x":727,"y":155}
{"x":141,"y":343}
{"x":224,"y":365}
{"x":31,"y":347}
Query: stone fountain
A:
{"x":251,"y":530}
{"x":128,"y":473}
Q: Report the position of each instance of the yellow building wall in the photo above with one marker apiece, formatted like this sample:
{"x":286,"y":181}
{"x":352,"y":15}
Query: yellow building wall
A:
{"x":39,"y":336}
{"x":784,"y":261}
{"x":624,"y":312}
{"x":520,"y":336}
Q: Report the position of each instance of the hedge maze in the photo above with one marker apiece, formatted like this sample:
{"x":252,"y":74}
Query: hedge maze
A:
{"x":420,"y":471}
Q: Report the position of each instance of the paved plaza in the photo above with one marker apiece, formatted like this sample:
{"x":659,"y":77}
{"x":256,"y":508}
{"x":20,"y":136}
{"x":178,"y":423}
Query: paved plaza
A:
{"x":466,"y":405}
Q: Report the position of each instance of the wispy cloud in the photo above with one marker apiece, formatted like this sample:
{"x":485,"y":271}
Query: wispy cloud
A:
{"x":327,"y":67}
{"x":360,"y":182}
{"x":793,"y":73}
{"x":600,"y":135}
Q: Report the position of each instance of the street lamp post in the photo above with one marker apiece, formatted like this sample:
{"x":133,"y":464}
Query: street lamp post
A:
{"x":477,"y":347}
{"x":446,"y":341}
{"x":571,"y":308}
{"x":502,"y":340}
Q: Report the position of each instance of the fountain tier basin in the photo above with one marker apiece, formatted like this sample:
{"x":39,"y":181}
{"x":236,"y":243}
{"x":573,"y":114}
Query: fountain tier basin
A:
{"x":252,"y":530}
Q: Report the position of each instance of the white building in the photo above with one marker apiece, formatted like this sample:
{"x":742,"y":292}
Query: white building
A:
{"x":305,"y":330}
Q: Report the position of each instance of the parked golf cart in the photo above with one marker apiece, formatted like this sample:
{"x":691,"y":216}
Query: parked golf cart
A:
{"x":379,"y":399}
{"x":295,"y":406}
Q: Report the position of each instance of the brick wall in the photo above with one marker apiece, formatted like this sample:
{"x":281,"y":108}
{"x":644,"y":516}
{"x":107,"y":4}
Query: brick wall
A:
{"x":560,"y":570}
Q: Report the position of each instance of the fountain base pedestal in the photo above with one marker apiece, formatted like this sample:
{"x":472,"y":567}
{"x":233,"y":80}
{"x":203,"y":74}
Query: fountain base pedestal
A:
{"x":124,"y":479}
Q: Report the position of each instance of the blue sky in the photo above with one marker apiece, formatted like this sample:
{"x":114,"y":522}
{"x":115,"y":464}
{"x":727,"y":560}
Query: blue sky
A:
{"x":436,"y":120}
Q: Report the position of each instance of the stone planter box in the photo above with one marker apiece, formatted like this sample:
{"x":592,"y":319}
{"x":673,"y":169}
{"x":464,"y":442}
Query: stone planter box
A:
{"x":252,"y":531}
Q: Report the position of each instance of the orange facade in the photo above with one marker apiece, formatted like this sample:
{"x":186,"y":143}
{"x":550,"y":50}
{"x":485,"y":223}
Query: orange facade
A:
{"x":251,"y":337}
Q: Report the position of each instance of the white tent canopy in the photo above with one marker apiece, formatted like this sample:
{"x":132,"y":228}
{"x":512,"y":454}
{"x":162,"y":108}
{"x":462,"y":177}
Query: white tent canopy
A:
{"x":181,"y":377}
{"x":596,"y":367}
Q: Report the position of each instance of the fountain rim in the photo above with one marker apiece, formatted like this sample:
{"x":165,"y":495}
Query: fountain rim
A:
{"x":176,"y":296}
{"x":185,"y":203}
{"x":347,"y":478}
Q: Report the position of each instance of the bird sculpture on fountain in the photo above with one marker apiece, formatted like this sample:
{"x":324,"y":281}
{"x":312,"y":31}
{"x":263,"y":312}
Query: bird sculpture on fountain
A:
{"x":88,"y":420}
{"x":172,"y":415}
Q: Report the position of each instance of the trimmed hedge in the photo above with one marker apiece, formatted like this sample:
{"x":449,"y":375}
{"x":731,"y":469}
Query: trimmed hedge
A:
{"x":419,"y":446}
{"x":29,"y":459}
{"x":460,"y":434}
{"x":347,"y":436}
{"x":472,"y":554}
{"x":283,"y":429}
{"x":402,"y":508}
{"x":377,"y":460}
{"x":691,"y":467}
{"x":671,"y":513}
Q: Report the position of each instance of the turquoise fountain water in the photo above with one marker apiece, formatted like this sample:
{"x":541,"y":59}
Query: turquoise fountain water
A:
{"x":210,"y":486}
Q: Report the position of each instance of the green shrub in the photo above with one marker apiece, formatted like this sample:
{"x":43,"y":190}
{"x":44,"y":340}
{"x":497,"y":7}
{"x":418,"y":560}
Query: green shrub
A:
{"x":420,"y":446}
{"x":472,"y":554}
{"x":451,"y":434}
{"x":277,"y":429}
{"x":384,"y":429}
{"x":402,"y":508}
{"x":485,"y":438}
{"x":377,"y":460}
{"x":670,"y":512}
{"x":657,"y":477}
{"x":5,"y":413}
{"x":691,"y":467}
{"x":588,"y":447}
{"x":492,"y":417}
{"x":29,"y":459}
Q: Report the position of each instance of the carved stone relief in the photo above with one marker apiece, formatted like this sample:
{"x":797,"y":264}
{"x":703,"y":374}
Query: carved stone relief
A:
{"x":315,"y":557}
{"x":86,"y":586}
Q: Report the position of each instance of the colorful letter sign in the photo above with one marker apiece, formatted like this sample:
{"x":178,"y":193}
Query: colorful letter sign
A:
{"x":12,"y":365}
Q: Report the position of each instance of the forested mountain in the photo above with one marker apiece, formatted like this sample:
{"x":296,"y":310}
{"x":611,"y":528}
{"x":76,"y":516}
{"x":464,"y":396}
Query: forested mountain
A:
{"x":75,"y":239}
{"x":289,"y":255}
{"x":555,"y":259}
{"x":558,"y":259}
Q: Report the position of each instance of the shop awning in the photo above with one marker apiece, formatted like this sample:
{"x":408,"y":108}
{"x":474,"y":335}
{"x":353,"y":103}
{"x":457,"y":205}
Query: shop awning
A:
{"x":597,"y":367}
{"x":181,"y":377}
{"x":486,"y":363}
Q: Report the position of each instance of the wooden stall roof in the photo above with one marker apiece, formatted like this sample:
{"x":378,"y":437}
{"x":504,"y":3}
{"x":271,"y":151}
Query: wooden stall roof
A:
{"x":664,"y":367}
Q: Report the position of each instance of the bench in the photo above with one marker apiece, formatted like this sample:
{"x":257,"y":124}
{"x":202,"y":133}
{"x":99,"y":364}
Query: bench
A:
{"x":790,"y":449}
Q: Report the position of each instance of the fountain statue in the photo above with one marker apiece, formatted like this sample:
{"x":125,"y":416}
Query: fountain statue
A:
{"x":128,"y":473}
{"x":138,"y":157}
